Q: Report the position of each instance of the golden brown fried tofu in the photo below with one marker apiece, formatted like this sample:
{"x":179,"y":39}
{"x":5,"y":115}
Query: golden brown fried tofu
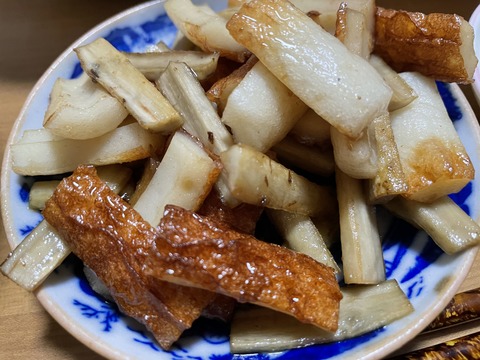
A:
{"x":198,"y":251}
{"x":113,"y":240}
{"x":436,"y":45}
{"x":242,"y":218}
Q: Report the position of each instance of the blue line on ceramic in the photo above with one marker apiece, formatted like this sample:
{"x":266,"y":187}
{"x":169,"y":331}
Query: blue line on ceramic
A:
{"x":454,"y":111}
{"x":144,"y":340}
{"x":105,"y":314}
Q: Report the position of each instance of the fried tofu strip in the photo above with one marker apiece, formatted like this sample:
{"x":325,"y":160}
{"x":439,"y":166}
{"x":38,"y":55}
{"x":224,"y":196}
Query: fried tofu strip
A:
{"x":113,"y":240}
{"x":436,"y":45}
{"x":43,"y":250}
{"x":243,"y":217}
{"x":198,"y":251}
{"x":340,"y":86}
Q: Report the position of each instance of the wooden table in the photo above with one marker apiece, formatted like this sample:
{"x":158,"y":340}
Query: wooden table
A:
{"x":32,"y":34}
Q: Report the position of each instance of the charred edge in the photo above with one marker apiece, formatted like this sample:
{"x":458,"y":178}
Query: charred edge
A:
{"x":93,"y":72}
{"x":229,"y":129}
{"x":211,"y":138}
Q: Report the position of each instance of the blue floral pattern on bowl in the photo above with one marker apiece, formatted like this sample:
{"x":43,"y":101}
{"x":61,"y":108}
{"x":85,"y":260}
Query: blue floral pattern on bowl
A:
{"x":411,"y":256}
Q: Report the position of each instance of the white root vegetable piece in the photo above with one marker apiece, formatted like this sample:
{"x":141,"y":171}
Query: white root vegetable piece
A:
{"x":311,"y":129}
{"x":261,"y":102}
{"x":205,"y":29}
{"x":356,"y":157}
{"x":363,"y":308}
{"x":403,"y":94}
{"x":41,"y":192}
{"x":330,"y":8}
{"x":301,"y":234}
{"x":184,"y":178}
{"x":307,"y":157}
{"x":152,"y":64}
{"x":328,"y":20}
{"x":82,"y":109}
{"x":448,"y":225}
{"x":328,"y":228}
{"x":109,"y":67}
{"x":361,"y":246}
{"x":351,"y":29}
{"x":341,"y":87}
{"x":325,"y":13}
{"x":390,"y":178}
{"x":37,"y":135}
{"x":182,"y":89}
{"x":374,"y":155}
{"x":43,"y":250}
{"x":432,"y":155}
{"x":256,"y":179}
{"x":124,"y":144}
{"x":221,"y":90}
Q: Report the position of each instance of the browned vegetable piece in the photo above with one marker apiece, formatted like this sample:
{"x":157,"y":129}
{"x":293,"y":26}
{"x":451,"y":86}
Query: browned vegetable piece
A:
{"x":198,"y":251}
{"x":222,"y":88}
{"x":436,"y":45}
{"x":113,"y":240}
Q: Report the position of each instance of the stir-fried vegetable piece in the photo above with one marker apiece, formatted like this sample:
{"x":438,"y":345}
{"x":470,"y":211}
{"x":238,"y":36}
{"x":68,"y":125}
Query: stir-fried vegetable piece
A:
{"x":341,"y":87}
{"x":448,"y":225}
{"x":109,"y":67}
{"x":362,"y":309}
{"x":43,"y":250}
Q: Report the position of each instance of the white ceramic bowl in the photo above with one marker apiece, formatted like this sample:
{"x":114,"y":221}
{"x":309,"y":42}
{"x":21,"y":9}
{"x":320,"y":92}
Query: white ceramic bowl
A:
{"x":428,"y":277}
